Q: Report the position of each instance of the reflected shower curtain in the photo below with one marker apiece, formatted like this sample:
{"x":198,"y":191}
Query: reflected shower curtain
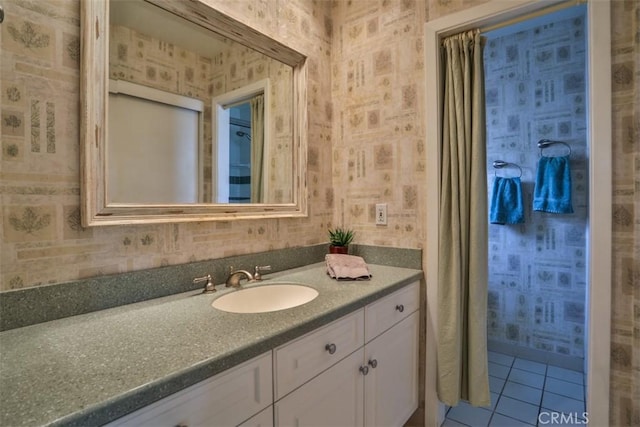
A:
{"x":462,"y":277}
{"x":257,"y":148}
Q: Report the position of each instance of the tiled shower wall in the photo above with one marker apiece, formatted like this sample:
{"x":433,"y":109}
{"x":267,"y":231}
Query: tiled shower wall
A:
{"x":535,"y":89}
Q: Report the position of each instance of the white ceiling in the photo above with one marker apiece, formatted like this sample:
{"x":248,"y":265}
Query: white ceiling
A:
{"x":160,"y":24}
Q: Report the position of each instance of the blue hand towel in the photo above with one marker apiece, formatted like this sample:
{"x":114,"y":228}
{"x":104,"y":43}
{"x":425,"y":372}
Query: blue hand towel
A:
{"x":552,"y":191}
{"x":506,"y":201}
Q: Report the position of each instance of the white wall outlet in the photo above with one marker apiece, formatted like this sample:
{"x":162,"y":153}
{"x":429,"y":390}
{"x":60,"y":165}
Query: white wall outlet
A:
{"x":381,"y":214}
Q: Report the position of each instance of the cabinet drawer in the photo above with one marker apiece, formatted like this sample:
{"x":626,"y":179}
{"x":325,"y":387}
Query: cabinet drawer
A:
{"x":298,"y":361}
{"x":228,"y":399}
{"x":386,"y":312}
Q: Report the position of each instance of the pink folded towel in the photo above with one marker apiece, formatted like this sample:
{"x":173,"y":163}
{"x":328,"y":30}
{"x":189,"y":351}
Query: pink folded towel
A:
{"x":347,"y":267}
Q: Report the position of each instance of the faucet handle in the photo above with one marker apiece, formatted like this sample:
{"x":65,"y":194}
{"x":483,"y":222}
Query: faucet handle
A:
{"x":209,"y":287}
{"x":260,"y":268}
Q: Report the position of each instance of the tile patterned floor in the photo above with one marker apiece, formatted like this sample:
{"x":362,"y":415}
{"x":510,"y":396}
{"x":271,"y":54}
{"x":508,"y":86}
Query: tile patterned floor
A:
{"x":525,"y":393}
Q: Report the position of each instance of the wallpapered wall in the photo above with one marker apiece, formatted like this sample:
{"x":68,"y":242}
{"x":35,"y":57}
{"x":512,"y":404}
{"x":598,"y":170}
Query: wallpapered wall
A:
{"x":625,"y":345}
{"x":378,"y":93}
{"x":42,"y":241}
{"x":535,"y":88}
{"x":366,"y":133}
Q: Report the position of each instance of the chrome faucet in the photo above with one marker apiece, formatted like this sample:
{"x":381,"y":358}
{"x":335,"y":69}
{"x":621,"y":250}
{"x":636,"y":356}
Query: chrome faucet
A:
{"x":234,"y":277}
{"x":257,"y":274}
{"x":209,"y":287}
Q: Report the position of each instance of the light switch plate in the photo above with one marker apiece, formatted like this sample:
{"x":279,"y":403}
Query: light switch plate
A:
{"x":381,"y":214}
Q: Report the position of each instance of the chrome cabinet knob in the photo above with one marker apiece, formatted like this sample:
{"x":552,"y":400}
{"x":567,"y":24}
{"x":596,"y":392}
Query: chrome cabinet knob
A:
{"x":331,"y":348}
{"x":373,"y":363}
{"x":400,"y":308}
{"x":364,"y":370}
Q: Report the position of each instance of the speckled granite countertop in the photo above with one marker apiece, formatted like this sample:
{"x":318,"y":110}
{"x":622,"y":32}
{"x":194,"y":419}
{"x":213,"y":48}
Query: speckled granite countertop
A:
{"x":92,"y":368}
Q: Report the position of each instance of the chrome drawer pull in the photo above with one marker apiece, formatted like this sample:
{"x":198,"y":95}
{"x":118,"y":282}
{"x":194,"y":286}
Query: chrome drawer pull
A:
{"x":331,"y":348}
{"x":400,"y":308}
{"x":364,"y":370}
{"x":373,"y":363}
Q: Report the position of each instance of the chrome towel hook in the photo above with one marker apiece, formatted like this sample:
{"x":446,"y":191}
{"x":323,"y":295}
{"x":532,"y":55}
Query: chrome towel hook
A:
{"x":544,"y":143}
{"x":499,"y":164}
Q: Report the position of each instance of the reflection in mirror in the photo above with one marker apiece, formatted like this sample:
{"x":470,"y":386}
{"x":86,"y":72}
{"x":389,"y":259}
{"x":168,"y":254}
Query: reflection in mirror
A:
{"x":173,"y":58}
{"x":240,"y":118}
{"x":239,"y":156}
{"x":191,"y":121}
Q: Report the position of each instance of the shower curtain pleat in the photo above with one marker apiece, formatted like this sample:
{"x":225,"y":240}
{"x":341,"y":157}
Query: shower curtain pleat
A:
{"x":462,"y":277}
{"x":257,"y":148}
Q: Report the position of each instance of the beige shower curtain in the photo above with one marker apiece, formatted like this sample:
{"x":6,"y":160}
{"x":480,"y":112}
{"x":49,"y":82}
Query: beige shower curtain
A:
{"x":462,"y":277}
{"x":257,"y":148}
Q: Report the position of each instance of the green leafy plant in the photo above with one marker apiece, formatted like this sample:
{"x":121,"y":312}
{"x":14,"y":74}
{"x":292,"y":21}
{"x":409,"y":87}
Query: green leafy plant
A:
{"x":340,"y":236}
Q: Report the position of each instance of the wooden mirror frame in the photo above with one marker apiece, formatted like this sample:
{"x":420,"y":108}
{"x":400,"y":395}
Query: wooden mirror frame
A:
{"x":94,"y":80}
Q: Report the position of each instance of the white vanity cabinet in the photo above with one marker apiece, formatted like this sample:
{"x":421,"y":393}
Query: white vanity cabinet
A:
{"x":391,"y":388}
{"x":359,"y":370}
{"x":375,"y":385}
{"x":391,"y":354}
{"x":332,"y":399}
{"x":227,"y":399}
{"x":303,"y":358}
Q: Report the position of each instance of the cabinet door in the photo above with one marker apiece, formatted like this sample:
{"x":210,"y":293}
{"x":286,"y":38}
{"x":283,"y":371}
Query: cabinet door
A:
{"x":333,"y":398}
{"x":226,"y":399}
{"x":391,"y":387}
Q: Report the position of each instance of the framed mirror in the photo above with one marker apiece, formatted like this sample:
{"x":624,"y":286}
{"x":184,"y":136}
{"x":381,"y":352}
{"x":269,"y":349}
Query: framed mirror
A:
{"x":188,"y":115}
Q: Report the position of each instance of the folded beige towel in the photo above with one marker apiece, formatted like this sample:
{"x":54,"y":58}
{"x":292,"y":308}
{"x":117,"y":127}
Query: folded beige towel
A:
{"x":347,"y":267}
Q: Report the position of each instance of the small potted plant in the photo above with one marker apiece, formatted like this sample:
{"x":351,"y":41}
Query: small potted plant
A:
{"x":339,"y":239}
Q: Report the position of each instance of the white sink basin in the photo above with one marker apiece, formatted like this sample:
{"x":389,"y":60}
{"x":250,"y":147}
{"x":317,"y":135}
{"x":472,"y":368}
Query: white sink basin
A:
{"x":262,"y":299}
